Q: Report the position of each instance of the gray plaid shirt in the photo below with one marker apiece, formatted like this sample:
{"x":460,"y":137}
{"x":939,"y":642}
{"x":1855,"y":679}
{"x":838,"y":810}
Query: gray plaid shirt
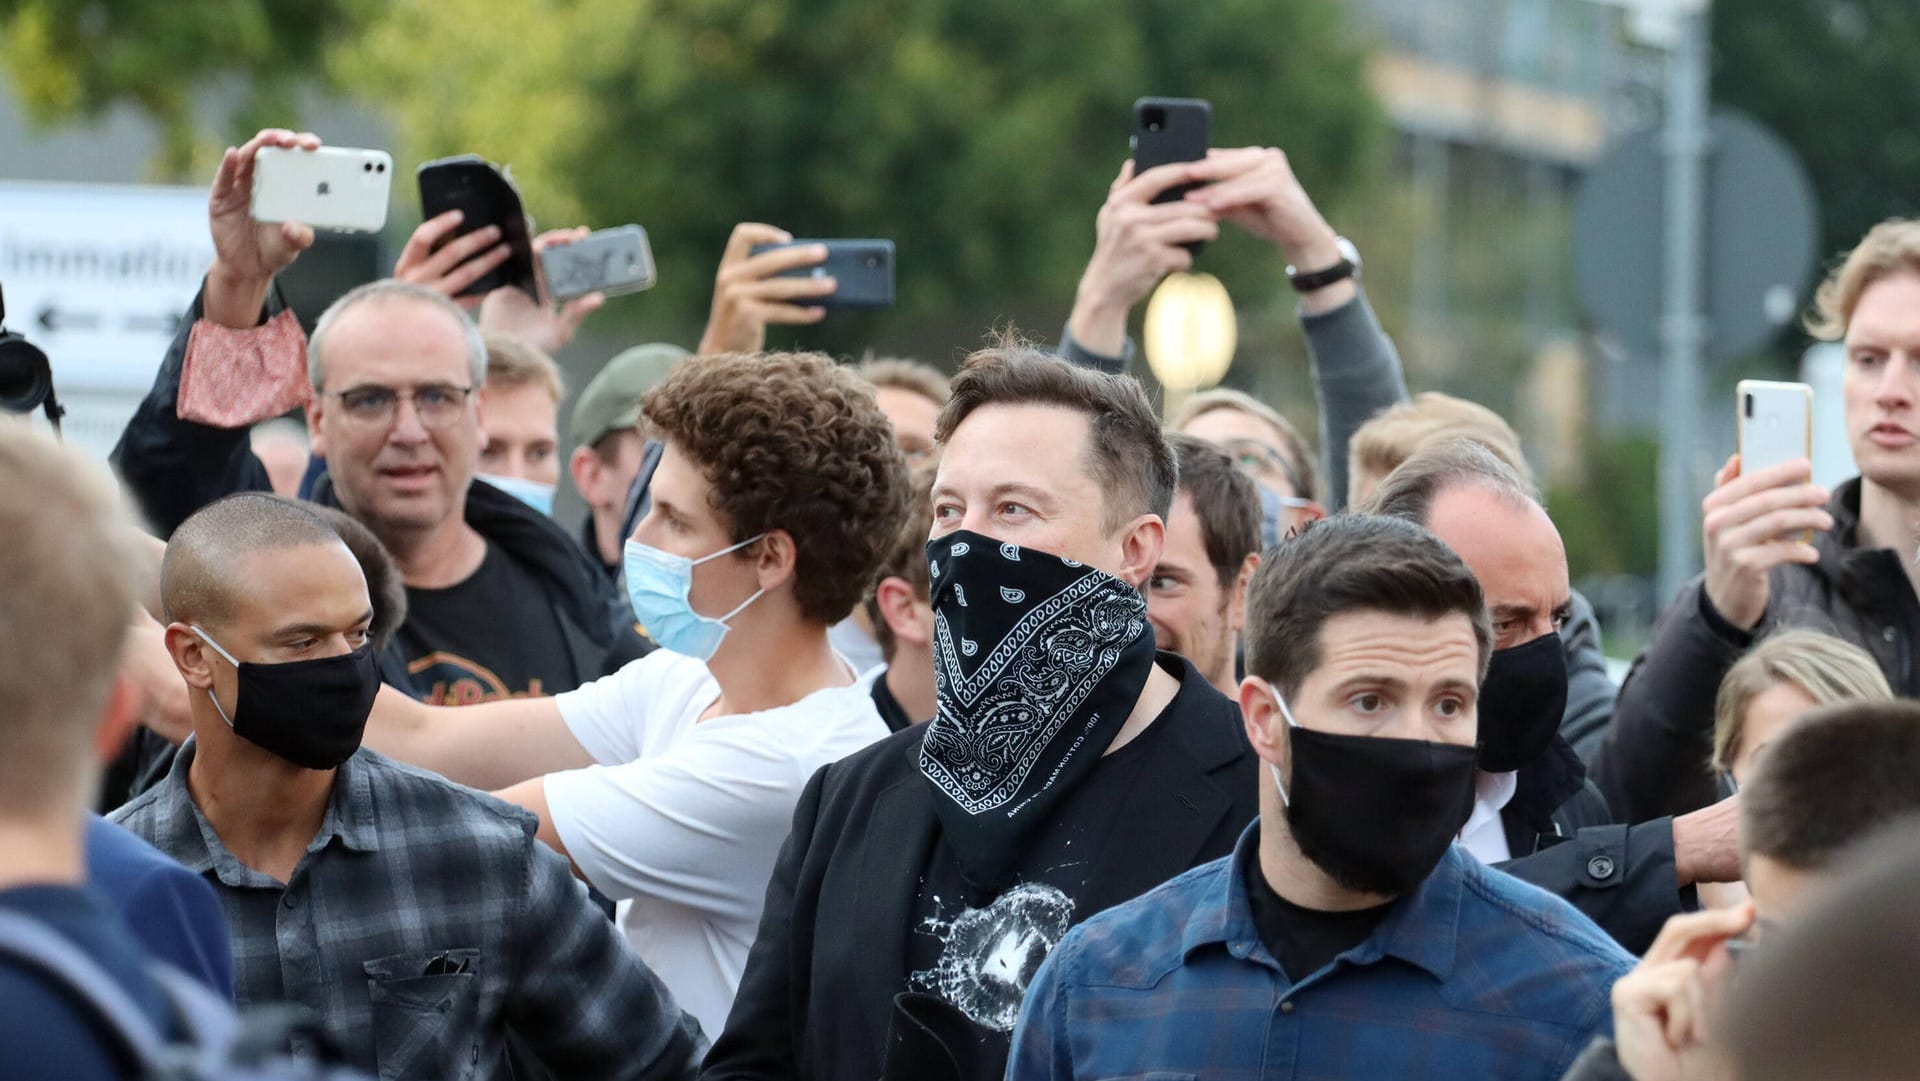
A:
{"x":424,"y":921}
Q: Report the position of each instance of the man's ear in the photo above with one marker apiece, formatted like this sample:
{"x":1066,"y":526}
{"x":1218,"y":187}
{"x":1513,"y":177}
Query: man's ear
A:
{"x":316,"y":442}
{"x":584,"y":467}
{"x":1263,"y":720}
{"x":1237,"y":598}
{"x":901,"y":609}
{"x":117,"y":719}
{"x":776,"y":558}
{"x":1141,"y":543}
{"x":190,"y":655}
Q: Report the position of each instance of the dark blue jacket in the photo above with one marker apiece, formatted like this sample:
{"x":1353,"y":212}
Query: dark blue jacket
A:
{"x":169,"y":909}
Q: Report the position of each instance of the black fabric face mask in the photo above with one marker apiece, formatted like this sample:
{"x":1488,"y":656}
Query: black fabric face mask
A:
{"x":1375,"y":814}
{"x":1521,"y":703}
{"x":312,"y":713}
{"x":1038,"y":662}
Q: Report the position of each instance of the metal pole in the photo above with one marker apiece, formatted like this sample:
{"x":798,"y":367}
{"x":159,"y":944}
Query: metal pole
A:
{"x":1682,"y":327}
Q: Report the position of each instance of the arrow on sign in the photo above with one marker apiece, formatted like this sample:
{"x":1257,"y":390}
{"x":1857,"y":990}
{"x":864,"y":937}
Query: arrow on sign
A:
{"x":53,"y":321}
{"x":165,"y":324}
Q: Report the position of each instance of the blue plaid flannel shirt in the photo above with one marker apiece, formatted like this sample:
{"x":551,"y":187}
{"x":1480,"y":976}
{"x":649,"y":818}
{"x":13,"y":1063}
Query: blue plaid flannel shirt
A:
{"x":1474,"y":976}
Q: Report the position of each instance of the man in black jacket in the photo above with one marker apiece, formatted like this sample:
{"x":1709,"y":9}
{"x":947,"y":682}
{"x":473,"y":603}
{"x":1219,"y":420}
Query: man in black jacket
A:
{"x":1781,"y":551}
{"x":1536,"y":815}
{"x":501,"y":602}
{"x":1068,"y":767}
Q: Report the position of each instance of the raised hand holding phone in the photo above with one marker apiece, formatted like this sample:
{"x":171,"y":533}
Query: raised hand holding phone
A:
{"x":247,"y":253}
{"x":749,"y":292}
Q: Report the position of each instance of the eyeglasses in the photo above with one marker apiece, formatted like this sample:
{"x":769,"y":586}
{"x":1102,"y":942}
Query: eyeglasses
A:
{"x":1260,"y":460}
{"x":436,"y":404}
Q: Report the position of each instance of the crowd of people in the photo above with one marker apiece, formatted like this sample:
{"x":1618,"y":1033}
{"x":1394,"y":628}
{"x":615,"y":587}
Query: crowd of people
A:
{"x":876,"y":722}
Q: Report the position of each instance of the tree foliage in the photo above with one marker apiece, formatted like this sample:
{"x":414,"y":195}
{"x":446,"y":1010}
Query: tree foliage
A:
{"x":75,"y":59}
{"x":1835,"y":79}
{"x":979,"y":134}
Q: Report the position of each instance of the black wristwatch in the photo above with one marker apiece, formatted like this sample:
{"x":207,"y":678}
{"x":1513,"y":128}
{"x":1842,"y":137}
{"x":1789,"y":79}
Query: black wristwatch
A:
{"x":1347,"y":267}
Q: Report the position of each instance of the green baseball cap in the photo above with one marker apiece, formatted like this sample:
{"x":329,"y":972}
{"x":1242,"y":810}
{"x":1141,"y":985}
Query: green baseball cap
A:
{"x":611,"y":401}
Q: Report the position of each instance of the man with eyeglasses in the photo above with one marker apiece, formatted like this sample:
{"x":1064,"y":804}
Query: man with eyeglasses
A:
{"x":1265,"y":447}
{"x":501,"y":602}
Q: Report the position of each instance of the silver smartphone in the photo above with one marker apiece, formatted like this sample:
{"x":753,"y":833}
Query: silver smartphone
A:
{"x":1776,"y":423}
{"x":336,"y":188}
{"x":611,"y":261}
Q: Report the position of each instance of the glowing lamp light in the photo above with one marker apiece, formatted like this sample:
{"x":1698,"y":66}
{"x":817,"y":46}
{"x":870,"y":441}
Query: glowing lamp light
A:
{"x":1190,"y":332}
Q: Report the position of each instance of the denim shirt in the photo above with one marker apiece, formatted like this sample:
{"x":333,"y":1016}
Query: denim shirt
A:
{"x":1474,"y":975}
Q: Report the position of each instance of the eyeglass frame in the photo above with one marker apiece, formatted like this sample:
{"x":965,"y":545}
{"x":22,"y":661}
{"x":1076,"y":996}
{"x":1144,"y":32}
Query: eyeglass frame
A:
{"x":391,"y":413}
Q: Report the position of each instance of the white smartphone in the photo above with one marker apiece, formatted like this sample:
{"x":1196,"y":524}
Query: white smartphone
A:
{"x":1776,"y":423}
{"x":336,"y":188}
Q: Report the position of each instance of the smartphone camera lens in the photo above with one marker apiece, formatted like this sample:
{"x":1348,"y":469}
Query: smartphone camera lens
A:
{"x":1154,"y":119}
{"x":1747,"y":405}
{"x":873,"y":262}
{"x":380,"y":168}
{"x":367,"y":165}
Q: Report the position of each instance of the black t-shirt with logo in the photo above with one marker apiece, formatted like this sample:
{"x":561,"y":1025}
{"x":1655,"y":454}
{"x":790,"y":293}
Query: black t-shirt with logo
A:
{"x":982,"y":959}
{"x":492,"y":636}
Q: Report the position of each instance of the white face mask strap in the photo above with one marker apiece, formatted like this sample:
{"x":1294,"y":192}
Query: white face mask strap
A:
{"x":1281,"y":701}
{"x":743,"y":605}
{"x":211,"y":697}
{"x":724,"y":551}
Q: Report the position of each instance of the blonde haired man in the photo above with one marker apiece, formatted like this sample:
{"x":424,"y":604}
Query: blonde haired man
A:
{"x":1782,"y":551}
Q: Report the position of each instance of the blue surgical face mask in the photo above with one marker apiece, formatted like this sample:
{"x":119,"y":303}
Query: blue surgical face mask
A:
{"x":531,"y":492}
{"x":658,"y":584}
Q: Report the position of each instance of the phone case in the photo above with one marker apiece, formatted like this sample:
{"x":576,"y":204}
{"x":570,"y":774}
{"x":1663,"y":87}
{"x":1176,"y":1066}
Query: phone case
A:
{"x":485,"y":195}
{"x":1776,"y":423}
{"x":336,"y":188}
{"x":862,"y":269}
{"x":1166,"y":130}
{"x":611,"y":261}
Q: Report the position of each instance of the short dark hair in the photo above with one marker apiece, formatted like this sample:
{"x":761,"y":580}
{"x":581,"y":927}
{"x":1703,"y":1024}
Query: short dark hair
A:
{"x":1831,"y":778}
{"x":1352,"y":563}
{"x":1225,"y":501}
{"x":198,"y":578}
{"x":1127,"y":450}
{"x":908,"y":559}
{"x":1834,"y":993}
{"x":796,"y":442}
{"x":1408,"y":493}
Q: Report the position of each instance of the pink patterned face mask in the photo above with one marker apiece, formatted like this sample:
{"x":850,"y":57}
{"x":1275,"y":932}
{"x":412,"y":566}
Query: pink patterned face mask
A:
{"x":237,"y":378}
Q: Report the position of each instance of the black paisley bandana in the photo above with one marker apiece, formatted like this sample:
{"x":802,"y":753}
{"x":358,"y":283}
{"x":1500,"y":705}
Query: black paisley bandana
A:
{"x":1038,"y":661}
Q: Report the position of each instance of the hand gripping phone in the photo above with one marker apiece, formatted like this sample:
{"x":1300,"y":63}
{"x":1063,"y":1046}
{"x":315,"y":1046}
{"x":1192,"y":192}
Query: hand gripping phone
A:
{"x":861,"y":269}
{"x":335,"y":188}
{"x":484,"y":194}
{"x":611,"y":261}
{"x":1166,"y":130}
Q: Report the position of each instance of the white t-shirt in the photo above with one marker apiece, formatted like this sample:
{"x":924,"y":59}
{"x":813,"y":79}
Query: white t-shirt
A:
{"x":686,"y":819}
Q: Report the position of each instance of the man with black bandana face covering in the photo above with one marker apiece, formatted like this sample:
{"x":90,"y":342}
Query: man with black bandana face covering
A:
{"x":1068,"y":766}
{"x":1536,"y":815}
{"x":1346,"y":936}
{"x":421,"y":923}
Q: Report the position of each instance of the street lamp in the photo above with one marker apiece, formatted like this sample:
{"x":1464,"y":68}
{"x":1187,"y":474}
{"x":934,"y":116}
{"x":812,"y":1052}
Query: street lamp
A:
{"x":1189,"y":335}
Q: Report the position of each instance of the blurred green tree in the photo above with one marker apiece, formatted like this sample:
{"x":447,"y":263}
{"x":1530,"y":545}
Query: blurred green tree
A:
{"x":1835,"y":79}
{"x":74,"y":60}
{"x":979,"y":134}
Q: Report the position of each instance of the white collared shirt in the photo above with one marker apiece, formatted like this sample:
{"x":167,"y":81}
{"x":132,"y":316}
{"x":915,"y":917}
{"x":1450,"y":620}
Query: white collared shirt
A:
{"x":1485,"y":835}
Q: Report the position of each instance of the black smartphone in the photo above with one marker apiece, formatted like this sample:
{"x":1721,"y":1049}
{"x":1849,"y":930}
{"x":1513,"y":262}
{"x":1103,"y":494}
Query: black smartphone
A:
{"x":861,"y":269}
{"x":1166,"y":130}
{"x":611,"y":261}
{"x":484,"y":195}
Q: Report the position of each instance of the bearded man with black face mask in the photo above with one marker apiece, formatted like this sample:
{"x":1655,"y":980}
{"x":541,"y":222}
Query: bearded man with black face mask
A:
{"x":1068,"y":766}
{"x":1535,"y":814}
{"x":421,"y":923}
{"x":1346,"y":935}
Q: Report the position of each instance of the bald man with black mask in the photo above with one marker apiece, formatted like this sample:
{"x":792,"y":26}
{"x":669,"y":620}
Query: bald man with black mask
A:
{"x":352,"y":885}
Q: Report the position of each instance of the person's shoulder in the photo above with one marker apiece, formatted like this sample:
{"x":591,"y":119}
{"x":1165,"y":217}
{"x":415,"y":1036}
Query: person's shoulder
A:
{"x":44,"y":1035}
{"x":405,"y":795}
{"x":1531,"y":951}
{"x":661,"y":676}
{"x":118,"y":860}
{"x":1136,"y":943}
{"x":142,"y":815}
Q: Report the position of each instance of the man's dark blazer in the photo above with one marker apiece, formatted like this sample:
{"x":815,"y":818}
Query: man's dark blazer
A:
{"x":818,"y":989}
